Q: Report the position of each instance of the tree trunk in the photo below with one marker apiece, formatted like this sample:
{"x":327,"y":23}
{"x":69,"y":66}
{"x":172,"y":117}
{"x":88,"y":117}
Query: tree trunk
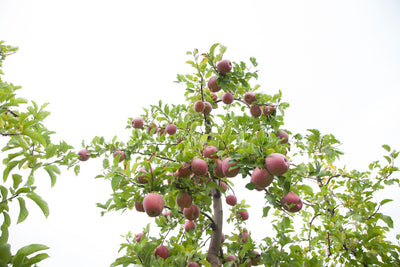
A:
{"x":215,"y":243}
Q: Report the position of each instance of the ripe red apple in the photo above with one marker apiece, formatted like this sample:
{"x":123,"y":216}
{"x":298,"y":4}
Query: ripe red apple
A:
{"x":231,"y":200}
{"x":161,"y":251}
{"x":83,"y":156}
{"x":224,"y":66}
{"x":151,"y":127}
{"x":199,"y":166}
{"x":255,"y":111}
{"x":214,"y":97}
{"x":121,"y":155}
{"x":283,"y":136}
{"x":292,"y":202}
{"x":207,"y":108}
{"x":137,"y":123}
{"x":191,"y":213}
{"x":227,"y":98}
{"x":218,"y":169}
{"x":227,"y":168}
{"x":185,"y":170}
{"x":223,"y":186}
{"x":167,"y":215}
{"x":230,"y":257}
{"x":144,"y":176}
{"x":249,"y":97}
{"x":138,"y":237}
{"x":222,"y":238}
{"x":213,"y":84}
{"x":209,"y":151}
{"x":189,"y":225}
{"x":261,"y":178}
{"x":277,"y":164}
{"x":153,"y":204}
{"x":244,"y":215}
{"x":183,"y":200}
{"x":268,"y":110}
{"x":193,"y":264}
{"x":255,"y":258}
{"x":244,"y":236}
{"x":199,"y":106}
{"x":171,"y":129}
{"x":139,"y":206}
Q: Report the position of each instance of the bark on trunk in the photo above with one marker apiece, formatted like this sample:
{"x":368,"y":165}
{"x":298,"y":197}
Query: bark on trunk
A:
{"x":215,"y":243}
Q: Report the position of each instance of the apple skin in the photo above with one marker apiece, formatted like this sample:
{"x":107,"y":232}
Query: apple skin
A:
{"x":230,"y":257}
{"x":224,"y":66}
{"x":199,"y":166}
{"x":244,"y":236}
{"x":227,"y":98}
{"x":284,"y":136}
{"x":277,"y":164}
{"x":189,"y":225}
{"x":249,"y":97}
{"x":207,"y":108}
{"x":261,"y":178}
{"x":209,"y":151}
{"x":167,"y":215}
{"x":184,"y":200}
{"x":290,"y":199}
{"x":191,"y":213}
{"x":138,"y":237}
{"x":83,"y":156}
{"x":193,"y":264}
{"x":244,"y":215}
{"x":151,"y":127}
{"x":222,"y":238}
{"x":231,"y":200}
{"x":137,"y":123}
{"x":121,"y":153}
{"x":226,"y":168}
{"x":185,"y":170}
{"x":153,"y":204}
{"x":218,"y":169}
{"x":268,"y":110}
{"x":256,"y":258}
{"x":161,"y":251}
{"x":223,"y":186}
{"x":199,"y":106}
{"x":255,"y":111}
{"x":171,"y":129}
{"x":213,"y":84}
{"x":139,"y":206}
{"x":144,"y":176}
{"x":214,"y":97}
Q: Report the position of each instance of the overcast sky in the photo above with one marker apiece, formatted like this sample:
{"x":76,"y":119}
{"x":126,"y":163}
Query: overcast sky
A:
{"x":99,"y":62}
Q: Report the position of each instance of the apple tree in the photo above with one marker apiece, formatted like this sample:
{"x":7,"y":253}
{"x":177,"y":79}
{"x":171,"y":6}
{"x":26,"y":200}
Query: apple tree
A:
{"x":27,"y":151}
{"x":182,"y":164}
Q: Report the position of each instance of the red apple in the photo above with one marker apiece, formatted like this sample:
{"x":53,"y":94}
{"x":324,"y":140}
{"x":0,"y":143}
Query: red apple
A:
{"x":244,"y":215}
{"x":153,"y":204}
{"x":249,"y":97}
{"x":227,"y":98}
{"x":214,"y":97}
{"x":121,"y":155}
{"x":277,"y":164}
{"x":231,"y":200}
{"x":138,"y":237}
{"x":144,"y":177}
{"x":224,"y":66}
{"x":255,"y":258}
{"x":209,"y":151}
{"x":171,"y":129}
{"x":199,"y":106}
{"x":213,"y":84}
{"x":139,"y":206}
{"x":151,"y":127}
{"x":261,"y":178}
{"x":193,"y":264}
{"x":83,"y":156}
{"x":191,"y":213}
{"x":167,"y":215}
{"x":255,"y":111}
{"x":207,"y":108}
{"x":244,"y":236}
{"x":161,"y":251}
{"x":199,"y":166}
{"x":283,"y":136}
{"x":292,"y":202}
{"x":227,"y":168}
{"x":230,"y":257}
{"x":218,"y":169}
{"x":222,"y":238}
{"x":137,"y":123}
{"x":189,"y":225}
{"x":268,"y":110}
{"x":185,"y":170}
{"x":223,"y":185}
{"x":183,"y":200}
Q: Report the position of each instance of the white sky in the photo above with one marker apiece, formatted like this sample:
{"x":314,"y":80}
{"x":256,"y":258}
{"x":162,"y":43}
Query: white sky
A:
{"x":99,"y":62}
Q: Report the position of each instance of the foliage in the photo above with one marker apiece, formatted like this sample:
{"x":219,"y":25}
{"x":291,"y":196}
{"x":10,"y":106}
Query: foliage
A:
{"x":26,"y":149}
{"x":341,"y":225}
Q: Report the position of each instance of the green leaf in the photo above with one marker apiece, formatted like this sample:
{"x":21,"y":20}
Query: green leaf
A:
{"x":24,"y":252}
{"x":387,"y":219}
{"x":40,"y":202}
{"x":35,"y":136}
{"x":5,"y":254}
{"x":77,"y":168}
{"x":386,"y":201}
{"x":52,"y":170}
{"x":386,"y":147}
{"x":17,"y":179}
{"x":23,"y":212}
{"x":37,"y":258}
{"x":8,"y":169}
{"x":115,"y":182}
